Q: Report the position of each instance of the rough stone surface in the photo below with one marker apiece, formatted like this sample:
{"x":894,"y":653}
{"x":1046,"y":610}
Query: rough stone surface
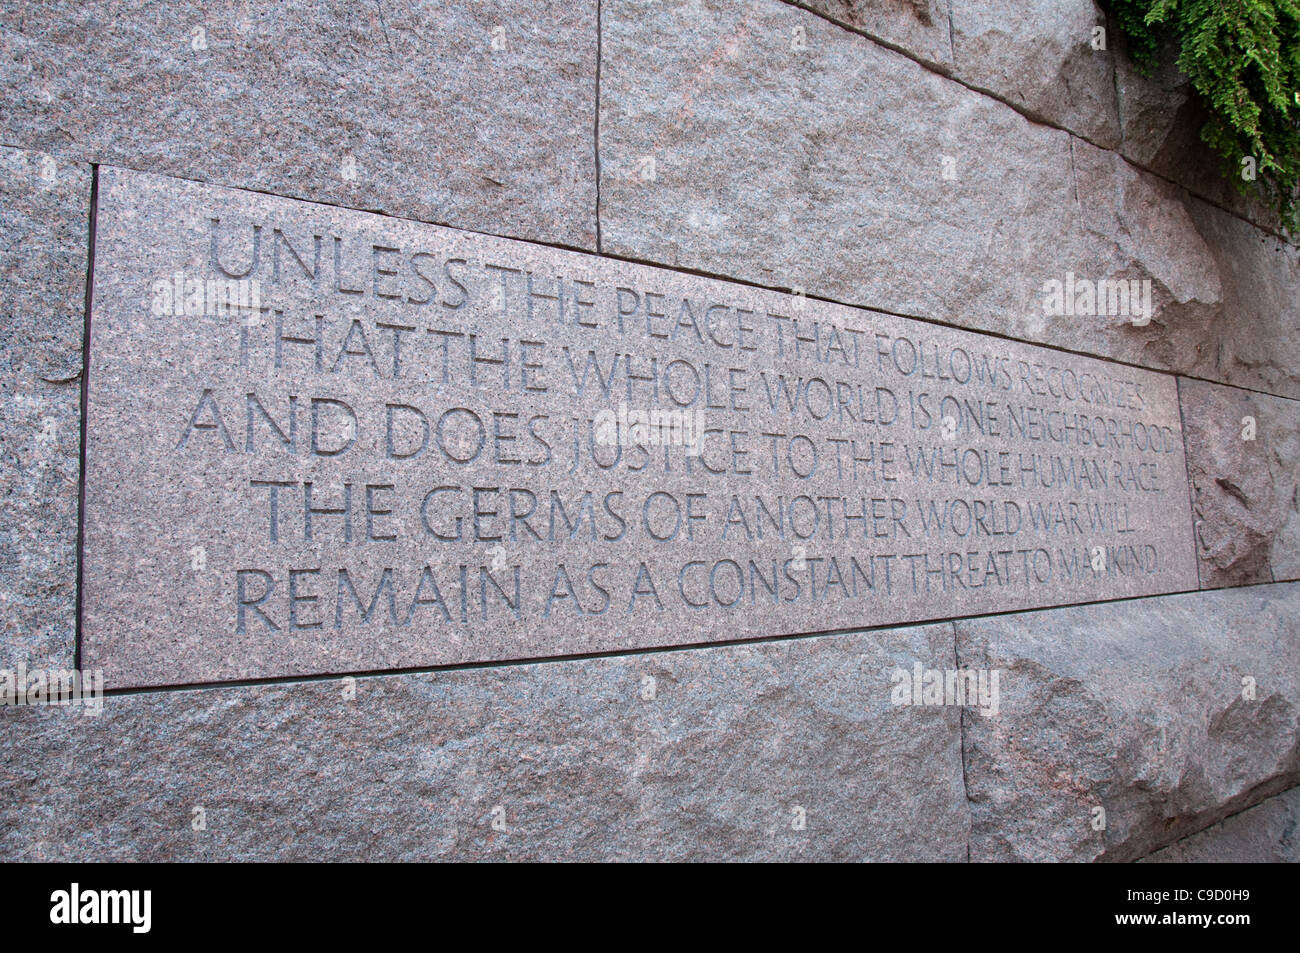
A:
{"x":1155,"y":113}
{"x":584,"y":765}
{"x":858,"y":182}
{"x":1161,"y":121}
{"x":44,"y":222}
{"x":1257,"y":331}
{"x":1132,"y":225}
{"x":920,"y":27}
{"x":1135,"y":707}
{"x":1245,"y":491}
{"x":398,"y":502}
{"x":833,"y":181}
{"x":401,"y":108}
{"x":1266,"y":833}
{"x":1039,"y":56}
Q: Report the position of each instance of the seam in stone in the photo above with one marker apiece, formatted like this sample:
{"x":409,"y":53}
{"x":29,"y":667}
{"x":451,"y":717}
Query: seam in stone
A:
{"x":92,"y":223}
{"x":924,"y":319}
{"x":599,"y":30}
{"x":930,"y":65}
{"x":961,"y":728}
{"x":952,"y":55}
{"x":1226,"y":817}
{"x":1074,"y":177}
{"x":379,"y":10}
{"x":1191,"y":490}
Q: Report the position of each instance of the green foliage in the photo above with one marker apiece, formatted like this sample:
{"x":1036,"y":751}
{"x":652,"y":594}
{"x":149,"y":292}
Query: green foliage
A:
{"x":1243,"y":59}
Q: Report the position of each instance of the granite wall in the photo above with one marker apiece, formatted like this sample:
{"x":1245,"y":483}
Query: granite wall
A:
{"x":936,"y":160}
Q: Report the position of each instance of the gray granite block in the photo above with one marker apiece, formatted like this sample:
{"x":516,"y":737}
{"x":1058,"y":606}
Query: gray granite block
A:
{"x":1243,"y":457}
{"x":1165,"y":714}
{"x":866,"y":178}
{"x":775,"y":751}
{"x":1043,"y":56}
{"x":1266,"y":833}
{"x":1257,"y":329}
{"x":44,"y":224}
{"x":477,"y":115}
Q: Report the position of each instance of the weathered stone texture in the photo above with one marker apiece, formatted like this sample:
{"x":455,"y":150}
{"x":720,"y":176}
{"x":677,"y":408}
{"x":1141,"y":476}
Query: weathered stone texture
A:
{"x":44,"y":222}
{"x":856,"y":183}
{"x":1132,"y":225}
{"x":1135,"y":707}
{"x":1157,"y":124}
{"x":1039,"y":56}
{"x":401,"y":108}
{"x":833,"y":181}
{"x":1243,"y":457}
{"x":584,"y":764}
{"x":1266,"y":833}
{"x":1161,"y":120}
{"x":919,"y":27}
{"x":1257,"y":329}
{"x":841,"y":168}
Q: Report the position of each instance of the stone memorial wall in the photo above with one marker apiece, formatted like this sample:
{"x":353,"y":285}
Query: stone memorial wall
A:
{"x":616,"y":430}
{"x":323,"y":441}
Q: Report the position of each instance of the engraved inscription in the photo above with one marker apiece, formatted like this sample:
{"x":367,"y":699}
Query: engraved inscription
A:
{"x":417,"y":446}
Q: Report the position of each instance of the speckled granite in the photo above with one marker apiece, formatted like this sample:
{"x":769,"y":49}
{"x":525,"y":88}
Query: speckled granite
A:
{"x":1266,"y":833}
{"x":1243,"y":456}
{"x":867,"y":178}
{"x":688,"y":755}
{"x":44,"y":224}
{"x":431,"y":467}
{"x":479,"y":115}
{"x":1167,"y":714}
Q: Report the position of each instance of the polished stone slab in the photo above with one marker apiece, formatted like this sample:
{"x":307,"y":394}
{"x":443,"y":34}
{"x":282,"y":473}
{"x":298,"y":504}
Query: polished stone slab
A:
{"x":406,"y":445}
